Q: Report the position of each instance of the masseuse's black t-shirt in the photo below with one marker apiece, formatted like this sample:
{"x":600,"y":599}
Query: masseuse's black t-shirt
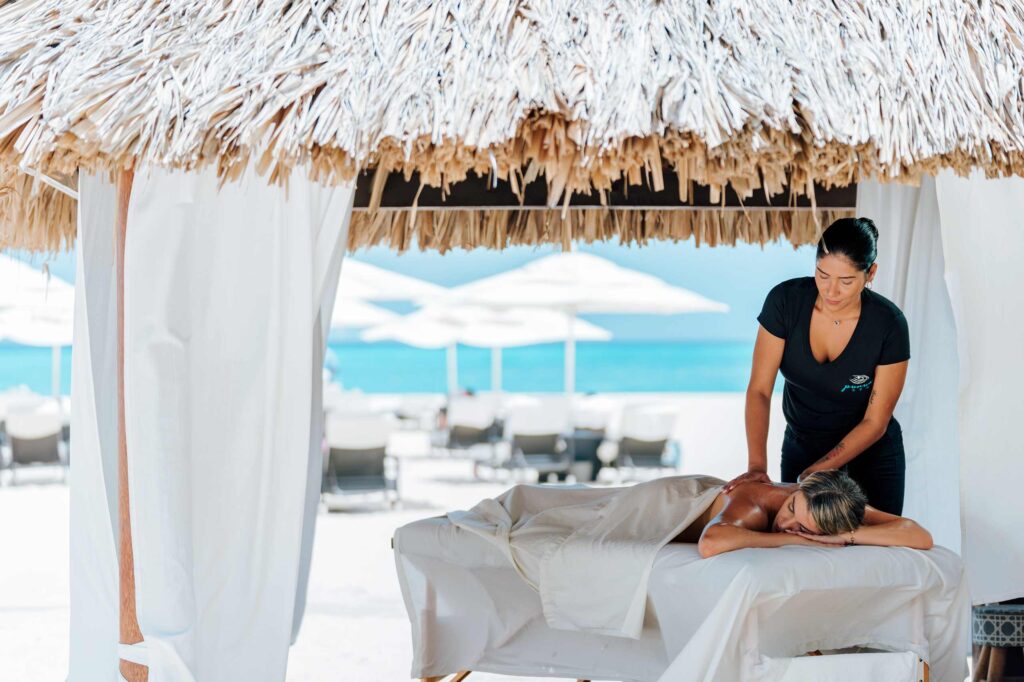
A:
{"x":823,"y":402}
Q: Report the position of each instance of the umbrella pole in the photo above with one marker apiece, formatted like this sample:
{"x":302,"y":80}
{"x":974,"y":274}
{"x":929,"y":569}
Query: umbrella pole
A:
{"x":55,"y":373}
{"x":570,"y":357}
{"x":129,"y":630}
{"x":496,"y":369}
{"x":452,"y":364}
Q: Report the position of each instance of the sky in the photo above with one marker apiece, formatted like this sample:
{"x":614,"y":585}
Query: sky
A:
{"x":739,"y":276}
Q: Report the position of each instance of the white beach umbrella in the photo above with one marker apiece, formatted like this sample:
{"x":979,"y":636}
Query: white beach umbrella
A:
{"x":447,"y":326}
{"x":371,"y":283}
{"x":574,"y":283}
{"x":355,"y":313}
{"x":36,"y":309}
{"x":22,"y":287}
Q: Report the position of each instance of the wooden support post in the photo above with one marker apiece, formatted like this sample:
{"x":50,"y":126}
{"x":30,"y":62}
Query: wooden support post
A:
{"x":129,"y":621}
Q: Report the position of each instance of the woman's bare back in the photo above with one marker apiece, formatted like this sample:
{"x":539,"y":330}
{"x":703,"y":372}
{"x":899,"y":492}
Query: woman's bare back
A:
{"x":752,"y":492}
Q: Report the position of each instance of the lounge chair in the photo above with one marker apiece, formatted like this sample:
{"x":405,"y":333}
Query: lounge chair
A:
{"x":35,"y":440}
{"x":643,"y":443}
{"x":536,"y":435}
{"x":472,"y":421}
{"x":357,"y":459}
{"x":591,"y":418}
{"x":583,"y":445}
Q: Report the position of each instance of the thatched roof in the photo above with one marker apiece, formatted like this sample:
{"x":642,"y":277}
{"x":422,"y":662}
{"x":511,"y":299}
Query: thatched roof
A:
{"x":756,"y":94}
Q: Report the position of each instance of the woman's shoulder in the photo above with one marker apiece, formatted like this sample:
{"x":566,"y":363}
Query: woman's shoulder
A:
{"x":889,"y":311}
{"x":793,"y":287}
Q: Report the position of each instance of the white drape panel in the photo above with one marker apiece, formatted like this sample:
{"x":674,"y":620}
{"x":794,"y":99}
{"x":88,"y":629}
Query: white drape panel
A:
{"x":224,"y":338}
{"x":911,"y":275}
{"x":224,"y":292}
{"x":983,"y":239}
{"x":93,"y":480}
{"x":322,"y":329}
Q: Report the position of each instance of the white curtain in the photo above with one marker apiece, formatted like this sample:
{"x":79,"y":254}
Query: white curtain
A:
{"x":983,"y":239}
{"x":910,"y":274}
{"x":93,"y":480}
{"x":224,"y":293}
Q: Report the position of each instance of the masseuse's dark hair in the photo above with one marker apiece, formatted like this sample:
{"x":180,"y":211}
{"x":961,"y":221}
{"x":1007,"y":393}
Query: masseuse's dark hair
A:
{"x":853,"y":238}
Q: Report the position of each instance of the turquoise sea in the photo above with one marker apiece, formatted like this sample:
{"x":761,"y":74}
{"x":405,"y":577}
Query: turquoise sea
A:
{"x":395,"y":368}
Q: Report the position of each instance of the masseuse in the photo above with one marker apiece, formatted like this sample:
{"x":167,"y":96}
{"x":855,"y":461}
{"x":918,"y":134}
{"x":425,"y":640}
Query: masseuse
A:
{"x":843,"y":351}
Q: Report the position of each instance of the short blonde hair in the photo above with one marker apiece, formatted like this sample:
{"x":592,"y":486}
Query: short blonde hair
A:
{"x":834,"y":500}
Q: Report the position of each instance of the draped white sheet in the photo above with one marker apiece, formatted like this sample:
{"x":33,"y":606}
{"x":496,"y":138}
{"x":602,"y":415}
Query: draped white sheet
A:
{"x":738,"y":616}
{"x":224,"y":293}
{"x":983,"y":240}
{"x":911,"y":275}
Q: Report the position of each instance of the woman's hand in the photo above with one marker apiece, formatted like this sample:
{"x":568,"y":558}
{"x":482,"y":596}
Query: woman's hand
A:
{"x":752,"y":476}
{"x":831,"y":540}
{"x":805,"y":473}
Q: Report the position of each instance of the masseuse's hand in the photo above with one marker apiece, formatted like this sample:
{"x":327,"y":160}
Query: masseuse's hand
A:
{"x":752,"y":476}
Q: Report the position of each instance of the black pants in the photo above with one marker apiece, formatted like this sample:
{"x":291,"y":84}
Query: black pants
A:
{"x":880,"y":470}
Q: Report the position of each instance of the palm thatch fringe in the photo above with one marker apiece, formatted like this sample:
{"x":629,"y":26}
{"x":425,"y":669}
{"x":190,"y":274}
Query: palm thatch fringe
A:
{"x":444,"y":230}
{"x":757,"y":95}
{"x":33,"y":215}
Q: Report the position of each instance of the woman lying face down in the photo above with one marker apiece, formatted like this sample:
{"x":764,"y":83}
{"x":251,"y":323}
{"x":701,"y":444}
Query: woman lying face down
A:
{"x":826,"y":508}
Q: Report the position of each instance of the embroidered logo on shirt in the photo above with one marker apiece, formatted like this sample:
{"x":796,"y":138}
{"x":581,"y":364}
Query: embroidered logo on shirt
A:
{"x":858,"y":382}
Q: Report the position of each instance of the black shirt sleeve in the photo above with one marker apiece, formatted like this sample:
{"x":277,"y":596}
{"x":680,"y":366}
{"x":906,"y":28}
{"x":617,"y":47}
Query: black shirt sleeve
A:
{"x":896,"y":346}
{"x":773,"y":313}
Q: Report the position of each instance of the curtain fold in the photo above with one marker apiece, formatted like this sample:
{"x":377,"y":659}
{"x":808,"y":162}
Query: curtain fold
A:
{"x":93,"y":478}
{"x":224,"y":341}
{"x":983,"y":240}
{"x":911,"y":275}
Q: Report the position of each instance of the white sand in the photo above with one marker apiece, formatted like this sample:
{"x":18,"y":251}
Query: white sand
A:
{"x":355,"y":627}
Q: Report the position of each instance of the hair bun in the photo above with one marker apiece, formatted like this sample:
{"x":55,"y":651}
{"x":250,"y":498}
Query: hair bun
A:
{"x":869,"y":224}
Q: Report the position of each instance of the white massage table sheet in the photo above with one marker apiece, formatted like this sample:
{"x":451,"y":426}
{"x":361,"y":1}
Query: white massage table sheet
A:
{"x":738,"y":616}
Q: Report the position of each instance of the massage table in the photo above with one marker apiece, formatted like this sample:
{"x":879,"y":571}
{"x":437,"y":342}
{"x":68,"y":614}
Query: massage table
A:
{"x":748,"y":615}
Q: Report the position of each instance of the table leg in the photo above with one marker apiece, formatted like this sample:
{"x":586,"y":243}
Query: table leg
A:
{"x":981,"y":664}
{"x":996,"y":664}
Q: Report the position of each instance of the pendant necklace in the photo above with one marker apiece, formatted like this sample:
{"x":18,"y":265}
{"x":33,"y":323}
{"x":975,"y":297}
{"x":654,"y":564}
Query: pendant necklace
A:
{"x":835,"y":322}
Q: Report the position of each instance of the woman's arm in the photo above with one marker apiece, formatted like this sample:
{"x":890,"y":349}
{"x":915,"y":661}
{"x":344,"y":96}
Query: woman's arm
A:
{"x":880,"y":529}
{"x":743,"y":523}
{"x":723,"y":537}
{"x":764,"y":368}
{"x":889,"y":380}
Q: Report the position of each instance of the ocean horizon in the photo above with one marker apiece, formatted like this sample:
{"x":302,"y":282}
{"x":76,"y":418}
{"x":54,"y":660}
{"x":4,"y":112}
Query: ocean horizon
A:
{"x":609,"y":367}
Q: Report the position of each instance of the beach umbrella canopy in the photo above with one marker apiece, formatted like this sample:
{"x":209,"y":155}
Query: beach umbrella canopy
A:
{"x":36,"y":309}
{"x":582,"y":283}
{"x":23,"y":287}
{"x":442,"y":326}
{"x":574,"y":282}
{"x":38,"y":327}
{"x":368,"y":282}
{"x":446,"y":326}
{"x":351,"y":313}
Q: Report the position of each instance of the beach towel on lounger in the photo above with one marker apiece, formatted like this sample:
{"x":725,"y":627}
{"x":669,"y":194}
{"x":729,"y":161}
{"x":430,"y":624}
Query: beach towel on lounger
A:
{"x":588,"y":551}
